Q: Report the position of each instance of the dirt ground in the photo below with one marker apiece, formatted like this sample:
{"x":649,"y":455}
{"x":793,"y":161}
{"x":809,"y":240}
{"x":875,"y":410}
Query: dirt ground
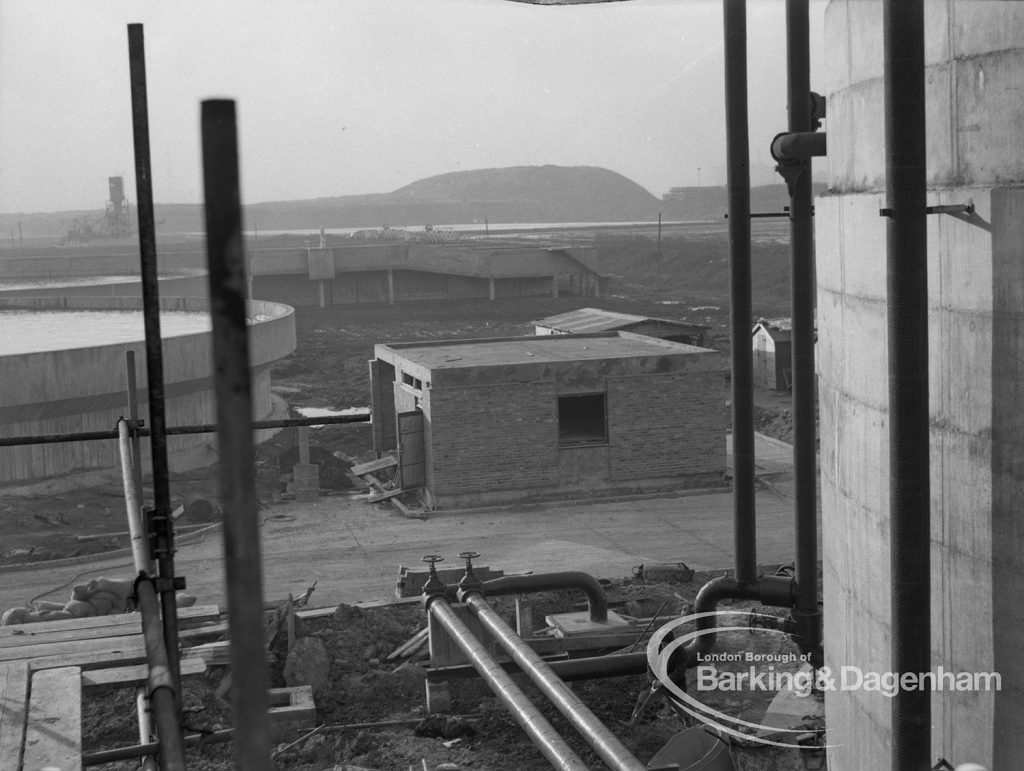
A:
{"x":329,"y":370}
{"x":366,"y":688}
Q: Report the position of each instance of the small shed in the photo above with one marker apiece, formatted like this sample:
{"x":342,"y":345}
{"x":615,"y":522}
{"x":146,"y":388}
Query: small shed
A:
{"x":773,"y":365}
{"x":479,"y":422}
{"x":587,"y":320}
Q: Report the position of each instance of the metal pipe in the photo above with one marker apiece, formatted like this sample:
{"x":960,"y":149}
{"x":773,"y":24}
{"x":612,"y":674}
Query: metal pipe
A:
{"x":102,"y":757}
{"x":161,"y":681}
{"x":133,"y":504}
{"x":133,"y":416}
{"x":806,"y":612}
{"x":597,"y":735}
{"x":523,"y":711}
{"x":741,"y":306}
{"x":154,"y":350}
{"x":794,"y":147}
{"x":201,"y":428}
{"x":552,"y":582}
{"x":584,"y":668}
{"x":243,"y":568}
{"x":776,"y":591}
{"x":145,"y":728}
{"x":592,"y":667}
{"x":907,"y":301}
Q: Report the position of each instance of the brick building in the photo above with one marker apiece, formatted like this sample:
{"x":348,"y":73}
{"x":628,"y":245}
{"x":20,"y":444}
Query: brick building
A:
{"x":562,"y":416}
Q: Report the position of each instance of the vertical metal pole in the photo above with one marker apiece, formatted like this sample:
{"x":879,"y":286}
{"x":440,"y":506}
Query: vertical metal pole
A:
{"x":659,"y":243}
{"x":154,"y":351}
{"x":907,"y":289}
{"x":133,"y":504}
{"x":235,"y":433}
{"x":805,"y":452}
{"x":738,"y":165}
{"x":133,"y":415}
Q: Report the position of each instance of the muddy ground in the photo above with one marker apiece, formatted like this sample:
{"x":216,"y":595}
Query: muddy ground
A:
{"x":329,"y":370}
{"x":371,"y":713}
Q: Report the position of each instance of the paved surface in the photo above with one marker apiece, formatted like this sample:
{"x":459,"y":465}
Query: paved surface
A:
{"x":352,"y":549}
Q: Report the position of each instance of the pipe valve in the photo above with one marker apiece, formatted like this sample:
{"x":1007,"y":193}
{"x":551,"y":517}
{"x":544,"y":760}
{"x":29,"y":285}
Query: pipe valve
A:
{"x":469,"y":582}
{"x":433,"y":586}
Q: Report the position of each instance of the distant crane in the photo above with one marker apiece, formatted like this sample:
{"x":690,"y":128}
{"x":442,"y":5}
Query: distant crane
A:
{"x":114,"y":223}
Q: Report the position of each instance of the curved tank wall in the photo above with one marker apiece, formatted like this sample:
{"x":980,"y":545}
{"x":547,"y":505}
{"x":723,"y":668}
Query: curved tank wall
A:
{"x":975,"y":111}
{"x":186,"y":283}
{"x":82,"y":388}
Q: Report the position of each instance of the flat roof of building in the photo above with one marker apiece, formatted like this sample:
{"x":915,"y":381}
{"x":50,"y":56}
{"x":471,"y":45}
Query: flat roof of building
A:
{"x":599,"y":320}
{"x":541,"y":357}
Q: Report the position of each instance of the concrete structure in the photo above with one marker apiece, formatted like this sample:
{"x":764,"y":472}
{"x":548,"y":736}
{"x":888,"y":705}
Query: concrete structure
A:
{"x":975,"y":61}
{"x":404,"y":271}
{"x":587,"y":320}
{"x":83,"y":389}
{"x":773,"y":362}
{"x":562,"y":416}
{"x":356,"y":273}
{"x":187,"y":283}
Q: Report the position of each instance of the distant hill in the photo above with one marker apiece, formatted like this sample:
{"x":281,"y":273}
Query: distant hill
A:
{"x":519,"y":194}
{"x":516,"y":194}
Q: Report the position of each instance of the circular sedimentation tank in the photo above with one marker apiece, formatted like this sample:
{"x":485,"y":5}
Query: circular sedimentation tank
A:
{"x":63,"y":370}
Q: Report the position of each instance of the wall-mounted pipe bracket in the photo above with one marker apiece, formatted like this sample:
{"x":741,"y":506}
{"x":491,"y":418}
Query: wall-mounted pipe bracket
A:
{"x":951,"y":208}
{"x":954,"y":208}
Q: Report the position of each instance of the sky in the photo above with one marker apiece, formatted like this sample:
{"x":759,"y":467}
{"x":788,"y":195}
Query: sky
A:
{"x":341,"y":97}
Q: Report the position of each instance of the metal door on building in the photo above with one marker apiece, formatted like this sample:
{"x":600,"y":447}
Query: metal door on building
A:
{"x":412,"y":467}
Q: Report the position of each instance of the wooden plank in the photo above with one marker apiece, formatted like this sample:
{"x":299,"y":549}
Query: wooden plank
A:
{"x":53,"y":735}
{"x":135,"y":674}
{"x":374,"y":465}
{"x":217,"y":654}
{"x":13,"y":711}
{"x":410,"y":645}
{"x":383,"y":496}
{"x":91,"y":659}
{"x":69,"y":635}
{"x":197,"y":614}
{"x":97,"y":646}
{"x":203,"y":631}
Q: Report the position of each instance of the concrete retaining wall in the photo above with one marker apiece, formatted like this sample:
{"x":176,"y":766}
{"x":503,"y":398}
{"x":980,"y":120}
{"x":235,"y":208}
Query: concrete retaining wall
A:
{"x":975,"y":55}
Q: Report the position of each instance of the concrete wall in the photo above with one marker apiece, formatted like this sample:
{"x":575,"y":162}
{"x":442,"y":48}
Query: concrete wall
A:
{"x":83,"y":389}
{"x":194,"y":284}
{"x":975,"y":55}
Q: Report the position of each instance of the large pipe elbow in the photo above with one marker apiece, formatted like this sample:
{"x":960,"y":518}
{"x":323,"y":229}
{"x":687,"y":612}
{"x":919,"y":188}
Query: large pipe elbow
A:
{"x":794,"y":147}
{"x":554,"y":582}
{"x":777,"y":591}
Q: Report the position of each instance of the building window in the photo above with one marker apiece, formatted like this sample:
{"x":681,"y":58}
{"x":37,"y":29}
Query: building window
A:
{"x":412,"y":382}
{"x":582,"y":419}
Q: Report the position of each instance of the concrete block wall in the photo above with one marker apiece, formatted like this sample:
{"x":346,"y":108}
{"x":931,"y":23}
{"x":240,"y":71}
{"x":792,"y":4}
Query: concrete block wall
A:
{"x":500,"y":442}
{"x":666,"y":425}
{"x":975,"y":57}
{"x":484,"y":439}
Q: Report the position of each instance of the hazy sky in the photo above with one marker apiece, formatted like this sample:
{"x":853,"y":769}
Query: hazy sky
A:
{"x":338,"y":97}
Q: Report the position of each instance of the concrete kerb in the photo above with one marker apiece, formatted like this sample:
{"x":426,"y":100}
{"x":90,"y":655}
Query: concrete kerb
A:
{"x":103,"y":555}
{"x":557,"y":502}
